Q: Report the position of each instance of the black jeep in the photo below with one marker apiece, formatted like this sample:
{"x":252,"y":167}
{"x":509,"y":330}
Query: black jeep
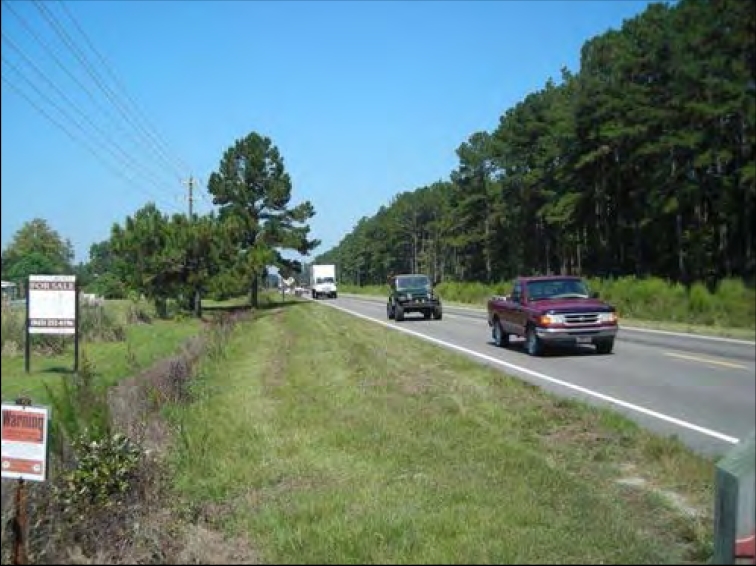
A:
{"x":412,"y":293}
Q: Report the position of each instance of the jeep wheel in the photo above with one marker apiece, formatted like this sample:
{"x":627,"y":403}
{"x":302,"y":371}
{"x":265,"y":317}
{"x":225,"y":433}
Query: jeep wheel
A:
{"x":398,"y":313}
{"x":500,"y":338}
{"x":533,"y":344}
{"x":438,"y":314}
{"x":389,"y":312}
{"x":427,"y":314}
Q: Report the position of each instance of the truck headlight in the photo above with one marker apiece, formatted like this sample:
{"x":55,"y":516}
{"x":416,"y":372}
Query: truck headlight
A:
{"x":608,"y":317}
{"x":408,"y":297}
{"x":548,"y":319}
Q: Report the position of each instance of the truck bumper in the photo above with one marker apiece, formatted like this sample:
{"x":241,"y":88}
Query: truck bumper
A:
{"x":420,"y":305}
{"x":571,"y":336}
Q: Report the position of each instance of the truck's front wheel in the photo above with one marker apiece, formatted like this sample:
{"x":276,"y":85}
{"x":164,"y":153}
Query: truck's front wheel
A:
{"x":533,"y":344}
{"x":605,"y":347}
{"x":389,"y":312}
{"x":399,"y":313}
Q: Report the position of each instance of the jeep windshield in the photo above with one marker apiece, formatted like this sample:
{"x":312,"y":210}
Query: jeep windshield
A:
{"x":557,"y":289}
{"x":412,"y":282}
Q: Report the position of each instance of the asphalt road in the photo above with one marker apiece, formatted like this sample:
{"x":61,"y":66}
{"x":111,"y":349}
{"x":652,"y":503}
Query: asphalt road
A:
{"x":701,"y":389}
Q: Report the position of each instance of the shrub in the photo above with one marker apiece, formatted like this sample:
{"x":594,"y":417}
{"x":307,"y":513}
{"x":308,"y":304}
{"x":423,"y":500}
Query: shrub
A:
{"x":81,"y":408}
{"x":103,"y":473}
{"x":99,"y":324}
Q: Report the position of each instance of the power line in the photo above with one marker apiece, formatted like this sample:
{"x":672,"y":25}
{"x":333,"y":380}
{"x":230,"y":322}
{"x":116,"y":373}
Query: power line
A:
{"x":76,"y":139}
{"x":114,"y":77}
{"x":50,"y":51}
{"x":149,"y":175}
{"x":51,"y":20}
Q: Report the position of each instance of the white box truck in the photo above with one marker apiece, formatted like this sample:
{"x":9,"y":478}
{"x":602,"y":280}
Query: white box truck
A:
{"x":323,"y":281}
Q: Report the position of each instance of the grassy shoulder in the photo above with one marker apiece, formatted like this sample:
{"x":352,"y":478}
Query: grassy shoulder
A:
{"x":668,"y":325}
{"x":339,"y":441}
{"x":143,"y":345}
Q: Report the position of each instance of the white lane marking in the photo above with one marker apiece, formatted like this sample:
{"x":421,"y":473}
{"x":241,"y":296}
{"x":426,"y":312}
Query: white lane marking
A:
{"x":633,"y":407}
{"x":371,"y":299}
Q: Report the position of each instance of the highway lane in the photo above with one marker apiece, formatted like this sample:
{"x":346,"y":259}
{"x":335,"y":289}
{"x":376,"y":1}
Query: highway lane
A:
{"x":701,"y":390}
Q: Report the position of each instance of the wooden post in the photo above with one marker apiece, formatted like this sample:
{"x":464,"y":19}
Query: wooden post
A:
{"x":20,"y":521}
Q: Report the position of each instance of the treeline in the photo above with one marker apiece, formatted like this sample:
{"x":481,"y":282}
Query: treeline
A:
{"x":640,"y":164}
{"x":175,"y":257}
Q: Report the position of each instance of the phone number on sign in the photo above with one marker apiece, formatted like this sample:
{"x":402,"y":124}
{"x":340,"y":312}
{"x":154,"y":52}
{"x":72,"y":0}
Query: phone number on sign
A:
{"x":51,"y":323}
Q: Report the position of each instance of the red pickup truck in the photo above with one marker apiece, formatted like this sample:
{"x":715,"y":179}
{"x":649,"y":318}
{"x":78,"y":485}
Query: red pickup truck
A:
{"x":552,"y":310}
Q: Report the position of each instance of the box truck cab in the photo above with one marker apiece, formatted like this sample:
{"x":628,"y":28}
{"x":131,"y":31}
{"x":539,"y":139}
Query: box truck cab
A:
{"x":323,"y":281}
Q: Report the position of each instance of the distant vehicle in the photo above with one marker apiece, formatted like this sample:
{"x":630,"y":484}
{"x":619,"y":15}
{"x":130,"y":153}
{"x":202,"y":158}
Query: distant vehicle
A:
{"x":412,"y":293}
{"x":323,"y":281}
{"x":553,"y":310}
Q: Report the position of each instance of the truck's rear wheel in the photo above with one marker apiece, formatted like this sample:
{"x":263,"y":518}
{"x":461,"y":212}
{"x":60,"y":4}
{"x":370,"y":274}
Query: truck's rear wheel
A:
{"x":533,"y":344}
{"x":500,"y":338}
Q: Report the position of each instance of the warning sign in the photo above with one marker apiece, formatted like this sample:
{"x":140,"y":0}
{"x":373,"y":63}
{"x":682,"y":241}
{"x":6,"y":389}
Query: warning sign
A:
{"x":24,"y":442}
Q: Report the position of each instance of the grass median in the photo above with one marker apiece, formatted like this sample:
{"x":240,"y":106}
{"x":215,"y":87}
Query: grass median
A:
{"x":322,"y":438}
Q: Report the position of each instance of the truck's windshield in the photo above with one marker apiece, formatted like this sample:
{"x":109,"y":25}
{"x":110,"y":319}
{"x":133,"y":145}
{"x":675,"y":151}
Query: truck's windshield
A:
{"x":557,"y":289}
{"x":412,"y":282}
{"x":321,"y":280}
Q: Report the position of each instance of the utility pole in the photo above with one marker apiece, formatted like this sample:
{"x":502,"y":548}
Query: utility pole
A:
{"x":197,"y":300}
{"x":190,"y":185}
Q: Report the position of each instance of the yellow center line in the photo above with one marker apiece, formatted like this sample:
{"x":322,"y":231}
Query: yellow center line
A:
{"x":705,"y":360}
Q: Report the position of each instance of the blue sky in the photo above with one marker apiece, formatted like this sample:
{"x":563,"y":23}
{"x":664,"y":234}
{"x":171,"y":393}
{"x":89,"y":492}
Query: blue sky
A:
{"x":364,"y":99}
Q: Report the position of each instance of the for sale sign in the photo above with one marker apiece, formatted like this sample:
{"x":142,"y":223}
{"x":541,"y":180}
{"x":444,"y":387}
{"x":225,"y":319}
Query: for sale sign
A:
{"x":24,"y":442}
{"x":52,"y":304}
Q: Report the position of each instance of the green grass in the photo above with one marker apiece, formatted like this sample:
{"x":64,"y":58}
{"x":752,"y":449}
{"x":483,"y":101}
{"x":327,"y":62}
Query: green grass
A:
{"x":675,"y":321}
{"x":113,"y":361}
{"x":339,"y":441}
{"x":234,"y":302}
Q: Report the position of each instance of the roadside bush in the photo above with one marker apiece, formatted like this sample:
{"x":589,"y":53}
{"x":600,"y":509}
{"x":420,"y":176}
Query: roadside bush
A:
{"x":103,"y":473}
{"x":138,"y":313}
{"x":81,"y":408}
{"x":12,"y":330}
{"x":464,"y":292}
{"x":108,"y":286}
{"x":99,"y":324}
{"x":96,"y":324}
